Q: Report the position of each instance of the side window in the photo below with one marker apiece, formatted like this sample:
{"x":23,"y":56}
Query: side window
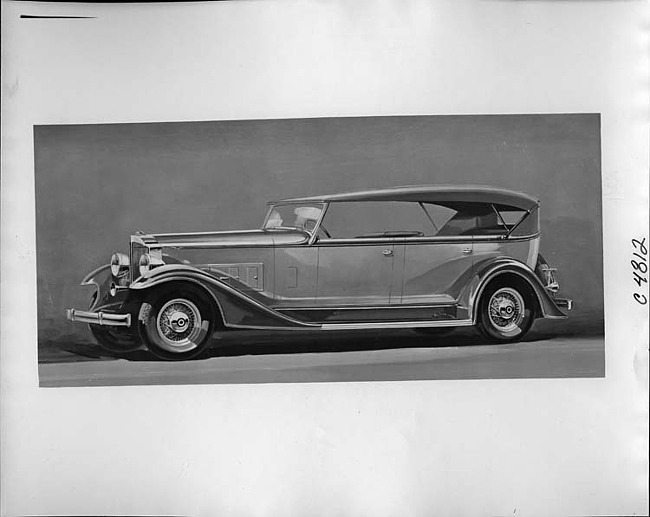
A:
{"x":528,"y":226}
{"x":370,"y":219}
{"x":473,"y":219}
{"x":440,"y":215}
{"x":510,"y":215}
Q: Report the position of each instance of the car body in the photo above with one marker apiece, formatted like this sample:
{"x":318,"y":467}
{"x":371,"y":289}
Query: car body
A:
{"x":429,"y":257}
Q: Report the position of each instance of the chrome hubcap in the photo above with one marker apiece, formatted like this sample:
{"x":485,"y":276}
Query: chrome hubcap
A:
{"x":179,"y":321}
{"x":179,"y":325}
{"x":506,"y":309}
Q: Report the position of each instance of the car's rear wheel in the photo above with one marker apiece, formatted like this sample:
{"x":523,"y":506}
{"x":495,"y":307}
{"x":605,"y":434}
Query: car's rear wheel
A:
{"x":179,"y":324}
{"x":506,"y":312}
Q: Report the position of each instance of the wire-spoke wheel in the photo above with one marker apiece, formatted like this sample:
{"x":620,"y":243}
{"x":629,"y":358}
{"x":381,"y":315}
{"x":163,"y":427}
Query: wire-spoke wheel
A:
{"x":506,"y":313}
{"x":179,"y":324}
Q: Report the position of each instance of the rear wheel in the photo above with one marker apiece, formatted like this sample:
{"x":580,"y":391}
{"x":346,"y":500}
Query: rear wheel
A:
{"x":506,"y":312}
{"x":179,"y":324}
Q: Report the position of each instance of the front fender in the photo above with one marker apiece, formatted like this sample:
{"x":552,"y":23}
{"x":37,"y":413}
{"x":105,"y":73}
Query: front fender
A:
{"x":100,"y":278}
{"x":490,"y":270}
{"x":238,"y":309}
{"x":97,"y":276}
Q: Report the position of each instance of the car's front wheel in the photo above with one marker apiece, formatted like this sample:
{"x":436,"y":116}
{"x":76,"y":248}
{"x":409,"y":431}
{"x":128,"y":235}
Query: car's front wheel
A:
{"x":506,"y":312}
{"x":115,"y":341}
{"x":179,"y":323}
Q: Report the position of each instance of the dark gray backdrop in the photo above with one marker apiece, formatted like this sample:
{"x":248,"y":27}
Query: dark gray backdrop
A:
{"x":96,"y":184}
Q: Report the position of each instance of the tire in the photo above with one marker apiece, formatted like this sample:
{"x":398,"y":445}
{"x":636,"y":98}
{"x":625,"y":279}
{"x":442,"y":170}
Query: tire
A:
{"x":506,"y":312}
{"x":180,"y":323}
{"x":115,"y":342}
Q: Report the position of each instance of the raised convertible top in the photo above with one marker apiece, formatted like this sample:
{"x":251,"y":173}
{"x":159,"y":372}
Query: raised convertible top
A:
{"x":430,"y":194}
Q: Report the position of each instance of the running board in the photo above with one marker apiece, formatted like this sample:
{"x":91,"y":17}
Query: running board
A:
{"x":396,"y":325}
{"x":344,"y":315}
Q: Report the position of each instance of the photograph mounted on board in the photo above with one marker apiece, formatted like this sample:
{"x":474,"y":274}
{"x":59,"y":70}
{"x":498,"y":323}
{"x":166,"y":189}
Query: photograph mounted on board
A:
{"x":314,"y":250}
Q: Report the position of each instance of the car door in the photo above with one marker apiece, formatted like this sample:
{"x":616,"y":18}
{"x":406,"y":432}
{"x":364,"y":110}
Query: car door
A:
{"x":361,"y":251}
{"x":355,"y":273}
{"x":434,"y":269}
{"x":439,"y":265}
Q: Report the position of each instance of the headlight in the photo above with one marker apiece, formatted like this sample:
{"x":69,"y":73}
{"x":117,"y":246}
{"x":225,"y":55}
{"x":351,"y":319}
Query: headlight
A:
{"x":145,"y":264}
{"x":119,"y":263}
{"x":149,"y":261}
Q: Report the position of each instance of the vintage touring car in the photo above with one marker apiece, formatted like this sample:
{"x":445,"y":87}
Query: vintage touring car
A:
{"x":429,"y":258}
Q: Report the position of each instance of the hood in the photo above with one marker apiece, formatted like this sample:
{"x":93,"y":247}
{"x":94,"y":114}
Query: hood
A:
{"x":244,"y":238}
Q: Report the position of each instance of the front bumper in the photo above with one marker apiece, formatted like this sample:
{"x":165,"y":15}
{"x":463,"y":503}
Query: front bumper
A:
{"x":99,"y":318}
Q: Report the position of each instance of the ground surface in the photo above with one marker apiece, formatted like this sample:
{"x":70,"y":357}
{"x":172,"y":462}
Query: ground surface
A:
{"x":255,"y":357}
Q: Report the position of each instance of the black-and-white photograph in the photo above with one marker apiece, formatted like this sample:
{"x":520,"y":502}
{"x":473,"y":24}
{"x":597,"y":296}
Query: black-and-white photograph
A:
{"x":309,"y":250}
{"x":320,"y":257}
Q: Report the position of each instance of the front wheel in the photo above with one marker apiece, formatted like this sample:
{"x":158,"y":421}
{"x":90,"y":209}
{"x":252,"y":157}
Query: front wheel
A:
{"x":179,"y":324}
{"x":505,"y":313}
{"x":115,"y":341}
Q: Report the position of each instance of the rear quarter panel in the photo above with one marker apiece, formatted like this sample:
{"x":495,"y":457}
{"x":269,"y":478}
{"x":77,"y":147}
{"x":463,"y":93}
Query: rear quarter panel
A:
{"x":522,"y":250}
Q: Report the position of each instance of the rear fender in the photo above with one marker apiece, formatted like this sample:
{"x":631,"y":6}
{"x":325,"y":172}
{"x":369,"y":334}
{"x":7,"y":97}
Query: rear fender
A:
{"x":491,"y":270}
{"x":237,"y":309}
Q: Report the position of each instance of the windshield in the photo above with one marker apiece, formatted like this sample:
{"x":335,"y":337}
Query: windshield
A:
{"x":294,"y":217}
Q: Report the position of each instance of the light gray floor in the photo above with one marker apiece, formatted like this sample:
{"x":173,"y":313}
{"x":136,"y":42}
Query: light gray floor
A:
{"x":400,"y":356}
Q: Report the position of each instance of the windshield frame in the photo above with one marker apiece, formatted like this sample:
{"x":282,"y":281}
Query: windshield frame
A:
{"x":312,"y":233}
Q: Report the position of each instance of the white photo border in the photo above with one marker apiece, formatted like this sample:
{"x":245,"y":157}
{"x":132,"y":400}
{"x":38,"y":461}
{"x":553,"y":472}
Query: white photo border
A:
{"x":539,"y":447}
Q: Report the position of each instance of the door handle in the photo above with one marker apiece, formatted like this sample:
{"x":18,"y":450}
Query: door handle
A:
{"x":467,"y":251}
{"x":387,"y":253}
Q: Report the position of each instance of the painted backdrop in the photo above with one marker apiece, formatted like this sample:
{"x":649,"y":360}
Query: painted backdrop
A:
{"x":96,"y":184}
